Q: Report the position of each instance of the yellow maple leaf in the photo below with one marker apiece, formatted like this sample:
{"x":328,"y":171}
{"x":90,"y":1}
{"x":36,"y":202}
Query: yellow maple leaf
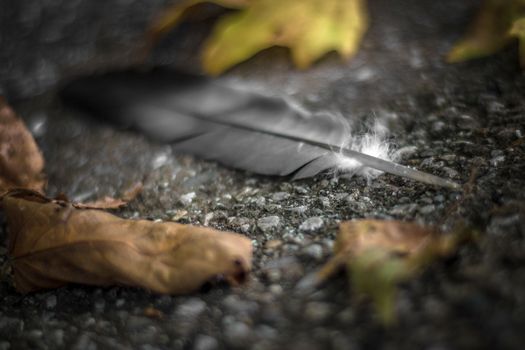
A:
{"x":310,"y":28}
{"x":490,"y":31}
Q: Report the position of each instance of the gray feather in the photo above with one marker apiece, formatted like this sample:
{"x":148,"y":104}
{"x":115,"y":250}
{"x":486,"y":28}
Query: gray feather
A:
{"x":241,"y":129}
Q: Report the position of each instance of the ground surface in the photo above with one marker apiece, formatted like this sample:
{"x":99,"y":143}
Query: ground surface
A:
{"x":450,"y":120}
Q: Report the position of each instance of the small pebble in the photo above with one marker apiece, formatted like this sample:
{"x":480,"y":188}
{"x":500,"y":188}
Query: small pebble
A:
{"x":89,"y":322}
{"x":237,"y":334}
{"x":346,"y":316}
{"x":242,"y":223}
{"x":187,"y":198}
{"x":439,"y":198}
{"x":426,"y":200}
{"x":191,"y":308}
{"x":179,"y":214}
{"x":450,"y":173}
{"x":300,"y":209}
{"x":427,"y":209}
{"x":317,"y":311}
{"x":449,"y":158}
{"x":205,"y":342}
{"x":136,"y":323}
{"x":273,"y":244}
{"x":35,"y":334}
{"x":58,"y":337}
{"x":236,"y":305}
{"x":312,"y":224}
{"x":260,"y":202}
{"x":51,"y":302}
{"x":266,"y":332}
{"x":84,"y":342}
{"x":268,"y":223}
{"x":275,"y":289}
{"x":404,"y":209}
{"x":38,"y":123}
{"x":273,"y":275}
{"x":405,"y":152}
{"x":160,"y":160}
{"x":324,"y":201}
{"x":497,"y":160}
{"x":280,"y":196}
{"x":207,"y":218}
{"x":300,"y":190}
{"x":100,"y":304}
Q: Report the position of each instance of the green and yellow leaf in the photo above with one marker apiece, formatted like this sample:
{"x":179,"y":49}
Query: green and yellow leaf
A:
{"x":490,"y":31}
{"x":380,"y":254}
{"x":310,"y":28}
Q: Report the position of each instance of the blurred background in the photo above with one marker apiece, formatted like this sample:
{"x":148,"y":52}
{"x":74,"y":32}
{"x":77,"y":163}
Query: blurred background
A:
{"x":44,"y":41}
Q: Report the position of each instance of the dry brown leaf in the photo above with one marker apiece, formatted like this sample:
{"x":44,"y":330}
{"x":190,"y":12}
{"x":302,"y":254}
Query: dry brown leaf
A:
{"x":380,"y":254}
{"x":52,"y":243}
{"x":21,"y":163}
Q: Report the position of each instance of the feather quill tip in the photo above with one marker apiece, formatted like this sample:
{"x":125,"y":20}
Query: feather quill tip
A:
{"x":352,"y":160}
{"x":372,"y":144}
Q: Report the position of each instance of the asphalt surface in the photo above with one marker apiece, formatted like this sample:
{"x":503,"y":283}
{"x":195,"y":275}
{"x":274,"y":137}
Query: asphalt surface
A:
{"x":463,"y":121}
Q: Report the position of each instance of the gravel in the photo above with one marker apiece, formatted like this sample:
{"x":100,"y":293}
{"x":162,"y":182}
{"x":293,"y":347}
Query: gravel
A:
{"x":463,"y":121}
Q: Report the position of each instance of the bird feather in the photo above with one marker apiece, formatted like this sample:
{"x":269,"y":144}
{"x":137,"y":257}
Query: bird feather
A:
{"x":216,"y":121}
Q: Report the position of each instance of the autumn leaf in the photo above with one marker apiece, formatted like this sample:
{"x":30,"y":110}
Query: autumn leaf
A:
{"x":380,"y":254}
{"x":21,"y":163}
{"x":55,"y":242}
{"x":492,"y":29}
{"x":51,"y":243}
{"x":310,"y":28}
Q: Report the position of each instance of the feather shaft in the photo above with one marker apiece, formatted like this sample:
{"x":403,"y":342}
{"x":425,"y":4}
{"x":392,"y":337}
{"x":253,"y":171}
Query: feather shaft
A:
{"x":364,"y":159}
